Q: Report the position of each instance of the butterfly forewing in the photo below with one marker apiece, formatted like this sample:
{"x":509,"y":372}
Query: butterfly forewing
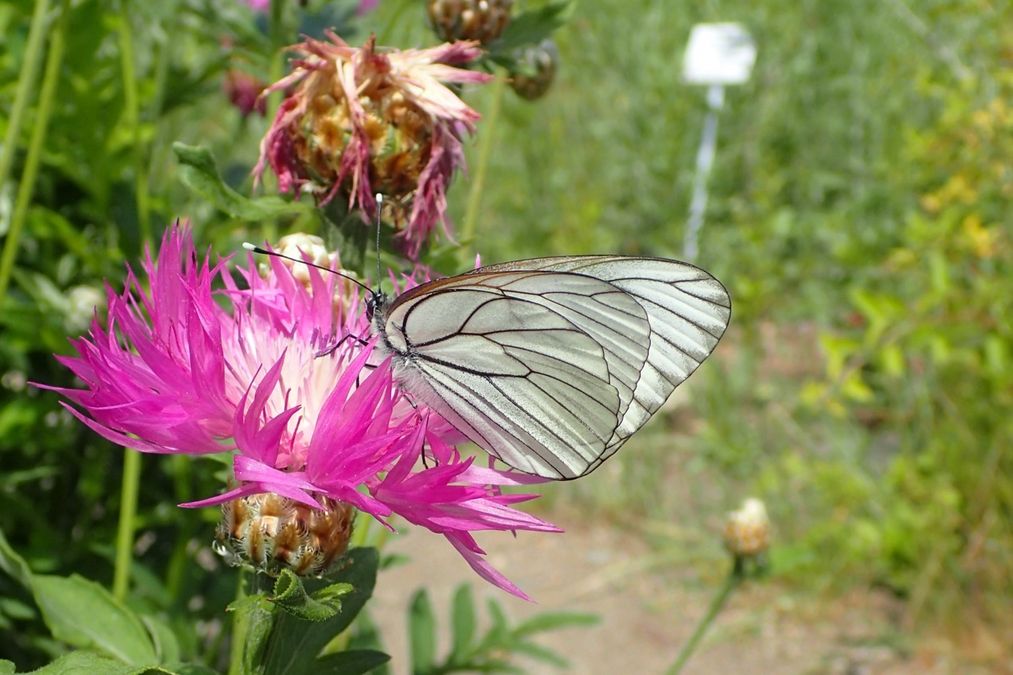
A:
{"x":551,"y":364}
{"x":536,"y":367}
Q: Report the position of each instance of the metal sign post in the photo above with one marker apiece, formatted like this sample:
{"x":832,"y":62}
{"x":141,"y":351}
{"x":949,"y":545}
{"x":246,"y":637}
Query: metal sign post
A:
{"x":718,"y":54}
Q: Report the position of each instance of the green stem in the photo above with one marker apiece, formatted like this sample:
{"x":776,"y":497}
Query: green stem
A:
{"x":132,"y":113}
{"x":488,"y":129}
{"x":128,"y":516}
{"x":240,"y":626}
{"x":384,"y":35}
{"x":26,"y":86}
{"x":35,"y":144}
{"x":731,"y":583}
{"x":180,"y":468}
{"x":279,"y":40}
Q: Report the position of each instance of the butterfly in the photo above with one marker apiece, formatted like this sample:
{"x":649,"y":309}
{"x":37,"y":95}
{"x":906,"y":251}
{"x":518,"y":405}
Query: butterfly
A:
{"x":551,"y":364}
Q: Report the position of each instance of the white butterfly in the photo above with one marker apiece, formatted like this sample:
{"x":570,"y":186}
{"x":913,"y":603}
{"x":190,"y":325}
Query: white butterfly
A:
{"x":551,"y":364}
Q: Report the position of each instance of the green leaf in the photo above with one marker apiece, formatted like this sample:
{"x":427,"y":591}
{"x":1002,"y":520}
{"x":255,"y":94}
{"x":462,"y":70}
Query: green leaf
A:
{"x":13,"y":564}
{"x":540,"y":653}
{"x":7,"y":667}
{"x":200,"y":173}
{"x":258,"y":614}
{"x":531,"y":27}
{"x":291,"y":595}
{"x":463,"y":622}
{"x":85,"y":663}
{"x":554,"y":621}
{"x":351,"y":662}
{"x":422,"y":632}
{"x":84,"y":614}
{"x":294,"y":644}
{"x":164,"y":640}
{"x":189,"y":669}
{"x":500,"y":625}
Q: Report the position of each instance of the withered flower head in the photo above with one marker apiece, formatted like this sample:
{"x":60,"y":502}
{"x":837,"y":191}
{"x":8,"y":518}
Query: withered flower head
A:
{"x":361,"y":120}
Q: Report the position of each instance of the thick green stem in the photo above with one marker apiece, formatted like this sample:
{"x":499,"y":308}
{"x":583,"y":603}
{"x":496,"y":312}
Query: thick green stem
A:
{"x":128,"y":515}
{"x":34,"y":50}
{"x":27,"y":185}
{"x":240,"y":626}
{"x":731,"y":583}
{"x":486,"y":136}
{"x":132,"y":114}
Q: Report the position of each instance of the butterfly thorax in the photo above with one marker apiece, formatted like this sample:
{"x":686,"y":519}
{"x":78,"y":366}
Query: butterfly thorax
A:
{"x":377,"y":308}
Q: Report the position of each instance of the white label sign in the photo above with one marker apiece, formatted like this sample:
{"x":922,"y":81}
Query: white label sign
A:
{"x":719,"y":54}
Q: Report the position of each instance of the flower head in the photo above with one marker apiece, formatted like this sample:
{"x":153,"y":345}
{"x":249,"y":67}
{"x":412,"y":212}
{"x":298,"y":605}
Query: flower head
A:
{"x":293,"y":389}
{"x":747,"y":530}
{"x":243,"y":90}
{"x":482,"y":20}
{"x":360,"y":121}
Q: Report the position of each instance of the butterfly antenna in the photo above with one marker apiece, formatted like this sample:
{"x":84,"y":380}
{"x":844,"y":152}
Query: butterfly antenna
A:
{"x":263,"y":251}
{"x":379,"y":208}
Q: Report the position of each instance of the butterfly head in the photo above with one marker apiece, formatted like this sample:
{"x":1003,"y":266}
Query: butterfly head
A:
{"x":376,"y":303}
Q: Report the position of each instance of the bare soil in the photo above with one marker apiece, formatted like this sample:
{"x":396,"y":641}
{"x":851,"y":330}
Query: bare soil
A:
{"x":648,"y":611}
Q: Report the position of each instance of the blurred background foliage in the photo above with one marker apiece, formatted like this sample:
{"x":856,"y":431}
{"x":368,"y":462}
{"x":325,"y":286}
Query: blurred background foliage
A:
{"x":859,"y":215}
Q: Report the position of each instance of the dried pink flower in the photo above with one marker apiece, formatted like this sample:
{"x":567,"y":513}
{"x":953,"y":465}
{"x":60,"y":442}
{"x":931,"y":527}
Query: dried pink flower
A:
{"x":364,"y":120}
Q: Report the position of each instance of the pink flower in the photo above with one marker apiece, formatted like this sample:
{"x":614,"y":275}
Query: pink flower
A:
{"x":178,"y":370}
{"x":360,"y":121}
{"x":243,"y":91}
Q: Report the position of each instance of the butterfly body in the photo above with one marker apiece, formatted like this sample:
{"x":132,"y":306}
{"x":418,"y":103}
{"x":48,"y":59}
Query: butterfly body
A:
{"x":551,"y":364}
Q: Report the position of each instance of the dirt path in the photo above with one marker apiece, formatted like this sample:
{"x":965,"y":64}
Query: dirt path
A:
{"x":647,"y":613}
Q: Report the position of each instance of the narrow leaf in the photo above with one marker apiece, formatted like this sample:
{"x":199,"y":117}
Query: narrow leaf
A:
{"x":422,"y":632}
{"x":540,"y":653}
{"x":13,"y":564}
{"x":553,"y":621}
{"x":463,"y":622}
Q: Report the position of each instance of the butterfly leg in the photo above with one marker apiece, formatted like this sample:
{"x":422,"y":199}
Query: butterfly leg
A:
{"x":334,"y":347}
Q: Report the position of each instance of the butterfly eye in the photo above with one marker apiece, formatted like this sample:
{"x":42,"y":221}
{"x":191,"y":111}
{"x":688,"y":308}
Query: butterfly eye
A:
{"x":371,"y":303}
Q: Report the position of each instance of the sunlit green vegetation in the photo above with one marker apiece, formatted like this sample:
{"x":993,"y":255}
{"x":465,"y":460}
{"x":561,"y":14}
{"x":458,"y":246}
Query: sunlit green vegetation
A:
{"x":859,"y":215}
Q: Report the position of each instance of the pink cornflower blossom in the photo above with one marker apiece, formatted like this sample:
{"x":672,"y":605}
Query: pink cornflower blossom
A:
{"x":208,"y":362}
{"x":364,"y":120}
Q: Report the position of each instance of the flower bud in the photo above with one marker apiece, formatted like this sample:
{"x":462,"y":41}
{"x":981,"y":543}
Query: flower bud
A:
{"x":244,"y":91}
{"x":536,"y":69}
{"x":82,"y":301}
{"x":482,"y":20}
{"x":747,"y":530}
